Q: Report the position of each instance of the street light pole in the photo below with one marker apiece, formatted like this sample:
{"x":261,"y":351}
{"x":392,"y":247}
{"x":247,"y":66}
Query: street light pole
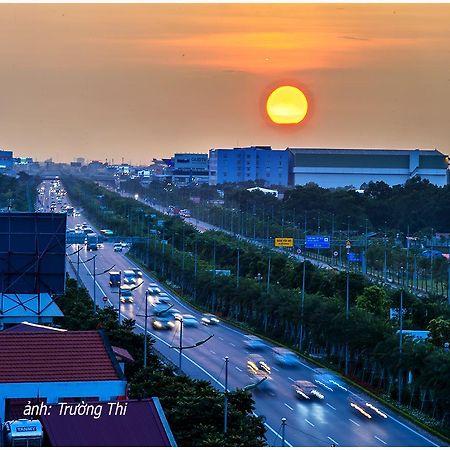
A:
{"x":283,"y":432}
{"x":302,"y":303}
{"x":237,"y":268}
{"x":400,"y":315}
{"x":347,"y":296}
{"x":95,"y":287}
{"x":181,"y":342}
{"x":268,"y":273}
{"x":145,"y":330}
{"x":225,"y":406}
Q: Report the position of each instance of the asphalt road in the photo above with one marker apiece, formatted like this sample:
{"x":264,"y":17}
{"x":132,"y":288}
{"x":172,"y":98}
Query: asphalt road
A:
{"x":326,"y":422}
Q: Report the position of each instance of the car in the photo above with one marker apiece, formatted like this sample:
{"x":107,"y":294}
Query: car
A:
{"x":164,"y":298}
{"x":256,"y":364}
{"x":285,"y":357}
{"x":160,"y":309}
{"x":329,"y":380}
{"x":124,"y":244}
{"x":189,"y":321}
{"x":210,"y":319}
{"x":153,"y":289}
{"x":365,"y":408}
{"x":163,"y":323}
{"x":137,"y":273}
{"x":306,"y":390}
{"x":254,"y":342}
{"x":126,"y":296}
{"x":117,"y":248}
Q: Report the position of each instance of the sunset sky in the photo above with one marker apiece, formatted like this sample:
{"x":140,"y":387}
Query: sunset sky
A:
{"x":146,"y":80}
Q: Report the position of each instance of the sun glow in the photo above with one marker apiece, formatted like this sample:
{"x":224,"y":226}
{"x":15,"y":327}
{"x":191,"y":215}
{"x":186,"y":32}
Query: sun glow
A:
{"x":287,"y":105}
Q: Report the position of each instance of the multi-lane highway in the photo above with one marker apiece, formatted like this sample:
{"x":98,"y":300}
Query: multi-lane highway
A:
{"x":327,"y":422}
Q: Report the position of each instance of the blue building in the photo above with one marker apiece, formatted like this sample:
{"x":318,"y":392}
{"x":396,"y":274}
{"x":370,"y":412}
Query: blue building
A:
{"x":237,"y":165}
{"x":6,"y":159}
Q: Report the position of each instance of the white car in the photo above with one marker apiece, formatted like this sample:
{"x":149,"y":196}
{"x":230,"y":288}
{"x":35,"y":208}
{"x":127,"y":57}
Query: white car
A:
{"x":189,"y":321}
{"x":117,"y":248}
{"x":210,"y":319}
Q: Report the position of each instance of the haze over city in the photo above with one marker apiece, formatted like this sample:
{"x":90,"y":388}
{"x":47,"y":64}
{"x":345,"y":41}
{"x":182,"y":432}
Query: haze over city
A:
{"x":145,"y":81}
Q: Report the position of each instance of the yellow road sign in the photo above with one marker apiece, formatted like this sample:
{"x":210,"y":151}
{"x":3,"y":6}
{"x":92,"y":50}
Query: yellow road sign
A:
{"x":284,"y":242}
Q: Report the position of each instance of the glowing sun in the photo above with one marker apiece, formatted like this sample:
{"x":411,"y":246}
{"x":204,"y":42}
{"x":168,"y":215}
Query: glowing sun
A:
{"x":287,"y":105}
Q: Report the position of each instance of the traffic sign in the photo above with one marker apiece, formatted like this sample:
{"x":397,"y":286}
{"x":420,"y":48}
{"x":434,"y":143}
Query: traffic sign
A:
{"x":317,"y":242}
{"x":105,"y":298}
{"x":284,"y":242}
{"x":348,"y":245}
{"x":335,"y":253}
{"x":353,"y":257}
{"x":299,"y":251}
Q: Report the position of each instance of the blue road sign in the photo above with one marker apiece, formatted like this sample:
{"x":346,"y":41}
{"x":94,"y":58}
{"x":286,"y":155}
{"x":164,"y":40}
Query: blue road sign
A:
{"x":354,"y":257}
{"x":317,"y":242}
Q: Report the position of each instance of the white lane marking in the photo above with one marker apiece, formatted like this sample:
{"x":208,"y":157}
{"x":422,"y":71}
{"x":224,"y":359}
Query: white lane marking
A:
{"x":414,"y":431}
{"x":332,"y":440}
{"x":237,"y":368}
{"x":356,"y":423}
{"x":232,"y":344}
{"x":276,"y":370}
{"x":213,"y":352}
{"x":308,"y":422}
{"x":220,"y":337}
{"x":290,"y":407}
{"x":291,"y":379}
{"x":381,"y":440}
{"x":331,"y":406}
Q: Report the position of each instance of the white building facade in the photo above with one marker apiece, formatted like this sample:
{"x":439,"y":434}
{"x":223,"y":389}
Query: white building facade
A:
{"x":333,"y":168}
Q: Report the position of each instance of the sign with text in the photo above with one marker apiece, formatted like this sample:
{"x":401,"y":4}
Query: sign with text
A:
{"x":317,"y":242}
{"x":284,"y":242}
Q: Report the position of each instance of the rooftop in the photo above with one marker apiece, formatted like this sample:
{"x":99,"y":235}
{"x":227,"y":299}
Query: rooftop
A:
{"x":55,"y":357}
{"x":143,"y":425}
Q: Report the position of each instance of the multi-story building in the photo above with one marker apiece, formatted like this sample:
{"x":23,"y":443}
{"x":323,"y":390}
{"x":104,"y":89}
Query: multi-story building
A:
{"x":256,"y":163}
{"x":190,"y":168}
{"x":332,"y":168}
{"x":6,"y":159}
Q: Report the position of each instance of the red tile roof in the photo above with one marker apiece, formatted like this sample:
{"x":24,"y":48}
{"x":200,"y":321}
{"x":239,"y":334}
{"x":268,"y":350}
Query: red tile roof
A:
{"x":68,"y":356}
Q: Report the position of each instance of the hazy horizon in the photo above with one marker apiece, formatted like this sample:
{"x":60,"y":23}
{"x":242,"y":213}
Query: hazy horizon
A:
{"x":143,"y":81}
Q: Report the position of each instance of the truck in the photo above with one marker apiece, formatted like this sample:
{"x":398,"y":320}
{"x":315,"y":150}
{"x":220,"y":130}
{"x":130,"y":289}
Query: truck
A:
{"x":114,"y":279}
{"x":91,"y":241}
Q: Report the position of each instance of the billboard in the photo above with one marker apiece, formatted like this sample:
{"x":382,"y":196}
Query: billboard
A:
{"x":32,"y":253}
{"x":317,"y":242}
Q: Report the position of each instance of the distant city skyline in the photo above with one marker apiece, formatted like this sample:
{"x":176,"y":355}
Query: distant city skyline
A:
{"x":144,"y":81}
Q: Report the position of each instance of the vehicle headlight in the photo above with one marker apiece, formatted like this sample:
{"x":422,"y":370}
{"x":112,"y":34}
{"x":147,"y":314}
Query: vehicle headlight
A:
{"x":381,"y":413}
{"x":302,"y":394}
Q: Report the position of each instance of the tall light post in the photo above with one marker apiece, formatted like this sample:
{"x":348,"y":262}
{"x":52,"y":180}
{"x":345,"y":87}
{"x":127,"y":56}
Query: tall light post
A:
{"x":268,"y":273}
{"x":225,"y":395}
{"x":400,"y":343}
{"x":302,"y":305}
{"x":238,"y":267}
{"x":347,"y":294}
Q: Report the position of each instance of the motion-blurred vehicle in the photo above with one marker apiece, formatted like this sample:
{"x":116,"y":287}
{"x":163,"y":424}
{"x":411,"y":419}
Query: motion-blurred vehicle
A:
{"x":163,"y":323}
{"x":285,"y":357}
{"x":256,"y":363}
{"x":365,"y":408}
{"x":306,"y":390}
{"x":153,"y":289}
{"x":137,"y":273}
{"x":126,"y":295}
{"x":254,"y":342}
{"x":189,"y":321}
{"x":210,"y":319}
{"x":164,"y":298}
{"x":329,"y":380}
{"x":117,"y":247}
{"x":129,"y":277}
{"x":114,"y":279}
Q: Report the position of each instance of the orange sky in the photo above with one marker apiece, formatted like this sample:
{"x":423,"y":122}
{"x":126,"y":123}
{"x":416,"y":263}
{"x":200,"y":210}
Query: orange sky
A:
{"x":146,"y":80}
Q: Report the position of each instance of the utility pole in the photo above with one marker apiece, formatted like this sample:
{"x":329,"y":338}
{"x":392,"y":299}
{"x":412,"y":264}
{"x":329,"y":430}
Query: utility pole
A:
{"x":95,"y":287}
{"x":268,"y":273}
{"x":181,"y":343}
{"x":225,"y":399}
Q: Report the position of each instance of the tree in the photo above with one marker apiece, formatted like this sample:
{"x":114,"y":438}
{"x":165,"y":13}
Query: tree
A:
{"x":439,"y":329}
{"x":374,"y":300}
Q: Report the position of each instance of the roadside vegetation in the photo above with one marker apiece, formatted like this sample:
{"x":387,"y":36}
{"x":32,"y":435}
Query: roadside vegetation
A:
{"x":18,"y":194}
{"x":188,"y":260}
{"x":194,"y":409}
